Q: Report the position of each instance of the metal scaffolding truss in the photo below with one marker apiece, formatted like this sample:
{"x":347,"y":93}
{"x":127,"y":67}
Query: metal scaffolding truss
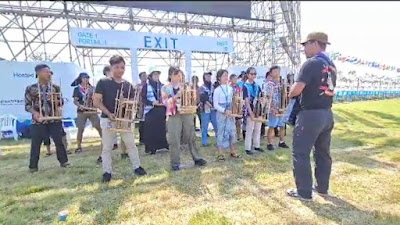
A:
{"x":38,"y":31}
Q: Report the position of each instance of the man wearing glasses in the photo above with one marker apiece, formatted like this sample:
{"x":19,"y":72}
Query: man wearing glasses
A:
{"x":314,"y":123}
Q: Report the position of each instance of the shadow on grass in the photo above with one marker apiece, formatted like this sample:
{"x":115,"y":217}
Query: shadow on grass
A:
{"x":392,"y":118}
{"x":187,"y":181}
{"x":362,"y":158}
{"x":343,"y":212}
{"x":365,"y":122}
{"x":106,"y":203}
{"x":352,"y":138}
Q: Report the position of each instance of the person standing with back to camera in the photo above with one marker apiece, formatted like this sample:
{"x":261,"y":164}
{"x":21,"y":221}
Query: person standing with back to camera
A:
{"x":315,"y":85}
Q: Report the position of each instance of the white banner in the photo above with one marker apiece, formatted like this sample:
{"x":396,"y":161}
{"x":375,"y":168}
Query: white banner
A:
{"x":97,"y":38}
{"x":16,"y":76}
{"x":261,"y":72}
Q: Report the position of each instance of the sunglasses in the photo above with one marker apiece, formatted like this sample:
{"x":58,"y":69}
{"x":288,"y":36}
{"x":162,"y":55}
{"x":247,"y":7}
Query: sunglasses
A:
{"x":307,"y":42}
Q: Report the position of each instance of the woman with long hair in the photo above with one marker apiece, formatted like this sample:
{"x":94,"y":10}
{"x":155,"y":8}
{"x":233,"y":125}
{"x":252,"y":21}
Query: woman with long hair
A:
{"x":222,"y":99}
{"x":155,"y":115}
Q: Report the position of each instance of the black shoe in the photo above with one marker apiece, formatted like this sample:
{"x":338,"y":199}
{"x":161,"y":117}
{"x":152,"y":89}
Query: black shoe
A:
{"x":66,"y":165}
{"x":106,"y":177}
{"x":200,"y":162}
{"x":259,"y":149}
{"x":69,"y":152}
{"x":208,"y":135}
{"x":175,"y":168}
{"x":205,"y":145}
{"x":124,"y":155}
{"x":270,"y":147}
{"x":248,"y":152}
{"x":153,"y":152}
{"x":115,"y":146}
{"x":283,"y":145}
{"x":78,"y":150}
{"x":197,"y":129}
{"x":140,"y":171}
{"x":99,"y":160}
{"x":32,"y":170}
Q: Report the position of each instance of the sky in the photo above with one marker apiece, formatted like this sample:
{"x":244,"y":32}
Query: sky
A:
{"x":368,"y":30}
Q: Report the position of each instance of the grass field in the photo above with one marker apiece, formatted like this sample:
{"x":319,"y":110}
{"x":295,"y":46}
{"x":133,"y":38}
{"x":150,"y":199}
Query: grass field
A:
{"x":365,"y":180}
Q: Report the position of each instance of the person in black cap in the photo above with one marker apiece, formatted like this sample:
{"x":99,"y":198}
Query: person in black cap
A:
{"x":81,"y":93}
{"x":41,"y":129}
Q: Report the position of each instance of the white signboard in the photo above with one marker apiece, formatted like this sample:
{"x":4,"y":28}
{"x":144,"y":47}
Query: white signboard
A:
{"x":96,"y":38}
{"x":16,"y":76}
{"x":261,"y":72}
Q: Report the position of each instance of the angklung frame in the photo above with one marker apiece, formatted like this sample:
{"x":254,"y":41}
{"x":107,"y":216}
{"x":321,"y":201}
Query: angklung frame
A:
{"x":54,"y":101}
{"x":125,"y":109}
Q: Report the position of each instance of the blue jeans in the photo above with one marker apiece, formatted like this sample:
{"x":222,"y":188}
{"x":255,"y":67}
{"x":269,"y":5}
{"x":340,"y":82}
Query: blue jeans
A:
{"x":206,"y":118}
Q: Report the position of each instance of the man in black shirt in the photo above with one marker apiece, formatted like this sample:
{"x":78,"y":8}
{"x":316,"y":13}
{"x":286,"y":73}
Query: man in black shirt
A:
{"x":314,"y":123}
{"x":104,"y":99}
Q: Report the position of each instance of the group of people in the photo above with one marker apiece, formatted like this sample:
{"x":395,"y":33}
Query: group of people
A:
{"x":164,"y":126}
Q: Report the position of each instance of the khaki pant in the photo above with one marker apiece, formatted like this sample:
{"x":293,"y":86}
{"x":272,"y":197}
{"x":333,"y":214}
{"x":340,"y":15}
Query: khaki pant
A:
{"x":122,"y":145}
{"x":108,"y":142}
{"x":81,"y":121}
{"x":181,"y":131}
{"x":253,"y":133}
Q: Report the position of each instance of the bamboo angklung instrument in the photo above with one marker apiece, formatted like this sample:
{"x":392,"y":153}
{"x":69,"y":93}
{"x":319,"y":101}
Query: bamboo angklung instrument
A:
{"x":88,"y":101}
{"x":53,"y":99}
{"x":237,"y":104}
{"x":284,"y":97}
{"x":262,"y":105}
{"x":125,"y":109}
{"x":188,"y":98}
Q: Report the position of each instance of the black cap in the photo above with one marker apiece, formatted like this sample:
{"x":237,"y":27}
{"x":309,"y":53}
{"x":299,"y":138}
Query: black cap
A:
{"x":78,"y":80}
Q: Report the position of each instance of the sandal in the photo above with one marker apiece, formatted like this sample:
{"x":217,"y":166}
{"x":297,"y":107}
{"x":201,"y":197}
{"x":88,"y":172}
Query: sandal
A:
{"x":235,"y":155}
{"x":221,"y":158}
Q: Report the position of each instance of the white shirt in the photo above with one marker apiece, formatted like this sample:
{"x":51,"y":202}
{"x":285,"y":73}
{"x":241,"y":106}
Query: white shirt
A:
{"x":221,"y":93}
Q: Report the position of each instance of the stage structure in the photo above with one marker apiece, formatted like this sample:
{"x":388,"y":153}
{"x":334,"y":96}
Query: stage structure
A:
{"x":39,"y":31}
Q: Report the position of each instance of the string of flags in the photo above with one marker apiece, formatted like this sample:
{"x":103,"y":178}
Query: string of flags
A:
{"x":357,"y":61}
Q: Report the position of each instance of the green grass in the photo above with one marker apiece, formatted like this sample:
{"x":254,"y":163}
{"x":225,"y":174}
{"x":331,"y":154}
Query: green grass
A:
{"x":365,"y":179}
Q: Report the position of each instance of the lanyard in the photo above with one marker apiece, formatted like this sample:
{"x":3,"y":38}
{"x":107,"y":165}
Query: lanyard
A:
{"x":225,"y":93}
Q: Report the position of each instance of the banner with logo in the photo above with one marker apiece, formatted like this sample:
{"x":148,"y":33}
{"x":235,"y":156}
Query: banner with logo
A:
{"x":16,"y":76}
